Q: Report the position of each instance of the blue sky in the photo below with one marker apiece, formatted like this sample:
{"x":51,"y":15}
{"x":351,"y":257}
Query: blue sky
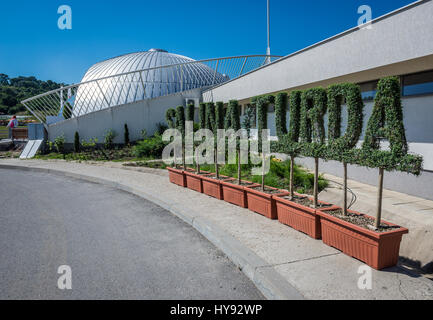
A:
{"x":32,"y":44}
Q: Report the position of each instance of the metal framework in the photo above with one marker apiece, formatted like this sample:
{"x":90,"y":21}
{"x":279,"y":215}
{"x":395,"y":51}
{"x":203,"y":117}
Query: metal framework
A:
{"x":119,"y":89}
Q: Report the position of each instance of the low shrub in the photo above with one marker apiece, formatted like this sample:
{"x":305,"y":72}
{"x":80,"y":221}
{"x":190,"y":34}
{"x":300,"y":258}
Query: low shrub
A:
{"x":150,"y":147}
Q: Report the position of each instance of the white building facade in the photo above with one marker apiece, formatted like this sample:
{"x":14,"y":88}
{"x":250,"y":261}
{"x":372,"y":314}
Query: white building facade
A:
{"x":397,"y":44}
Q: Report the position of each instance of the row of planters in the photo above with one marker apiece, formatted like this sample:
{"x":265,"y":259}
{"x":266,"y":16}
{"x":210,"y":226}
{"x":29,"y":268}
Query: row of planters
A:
{"x":369,"y":239}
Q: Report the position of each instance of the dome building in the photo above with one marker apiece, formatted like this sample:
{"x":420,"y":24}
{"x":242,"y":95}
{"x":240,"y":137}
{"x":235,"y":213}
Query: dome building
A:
{"x":119,"y":81}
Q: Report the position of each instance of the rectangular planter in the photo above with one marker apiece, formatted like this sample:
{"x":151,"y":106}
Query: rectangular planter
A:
{"x":213,"y":187}
{"x":234,"y":193}
{"x":379,"y":250}
{"x":299,"y":217}
{"x":177,"y":176}
{"x":194,"y":180}
{"x":262,"y":202}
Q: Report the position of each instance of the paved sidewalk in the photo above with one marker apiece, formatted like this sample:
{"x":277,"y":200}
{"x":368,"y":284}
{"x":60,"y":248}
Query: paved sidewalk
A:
{"x":283,"y":263}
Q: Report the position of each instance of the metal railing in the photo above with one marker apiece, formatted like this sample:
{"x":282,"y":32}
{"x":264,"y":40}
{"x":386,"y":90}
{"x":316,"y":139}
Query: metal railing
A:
{"x":94,"y":95}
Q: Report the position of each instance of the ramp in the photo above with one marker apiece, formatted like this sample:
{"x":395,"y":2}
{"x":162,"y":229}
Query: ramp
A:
{"x":31,"y":148}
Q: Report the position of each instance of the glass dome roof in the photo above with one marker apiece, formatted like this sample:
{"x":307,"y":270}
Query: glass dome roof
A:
{"x":120,"y":89}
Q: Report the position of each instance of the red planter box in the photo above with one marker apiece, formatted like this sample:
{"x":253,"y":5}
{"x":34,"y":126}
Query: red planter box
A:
{"x":262,"y":202}
{"x":194,"y":180}
{"x":213,"y":187}
{"x":235,"y":194}
{"x":377,"y":249}
{"x":177,"y":176}
{"x":299,"y":217}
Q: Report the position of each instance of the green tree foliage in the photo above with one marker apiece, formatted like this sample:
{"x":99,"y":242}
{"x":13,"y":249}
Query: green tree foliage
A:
{"x":180,"y":120}
{"x":169,"y":115}
{"x":210,"y":116}
{"x":339,"y":145}
{"x":219,"y":115}
{"x":190,"y":110}
{"x":235,"y":119}
{"x":247,"y":123}
{"x":77,"y":145}
{"x":126,"y":135}
{"x":109,"y":139}
{"x":386,"y":120}
{"x":14,"y":90}
{"x":202,"y":115}
{"x":281,"y":114}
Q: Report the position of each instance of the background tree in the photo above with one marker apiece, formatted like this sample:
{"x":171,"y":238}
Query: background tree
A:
{"x":14,"y":90}
{"x":77,"y":145}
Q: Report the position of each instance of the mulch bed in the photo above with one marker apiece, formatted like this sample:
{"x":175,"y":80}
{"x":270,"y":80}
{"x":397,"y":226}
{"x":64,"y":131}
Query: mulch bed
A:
{"x":360,"y":220}
{"x":266,"y":190}
{"x":305,"y":201}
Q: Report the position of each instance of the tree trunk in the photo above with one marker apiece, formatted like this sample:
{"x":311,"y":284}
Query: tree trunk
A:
{"x":175,"y":157}
{"x":263,"y":171}
{"x":292,"y":170}
{"x":316,"y":182}
{"x":183,"y":157}
{"x":345,"y":189}
{"x":217,"y":171}
{"x":239,"y":167}
{"x":198,"y":165}
{"x":379,"y":199}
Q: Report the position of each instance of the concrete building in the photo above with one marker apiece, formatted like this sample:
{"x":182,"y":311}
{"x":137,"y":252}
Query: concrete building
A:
{"x":398,"y":44}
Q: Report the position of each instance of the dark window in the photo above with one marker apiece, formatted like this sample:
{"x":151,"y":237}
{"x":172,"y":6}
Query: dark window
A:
{"x":418,"y":84}
{"x":368,"y":90}
{"x":271,"y":108}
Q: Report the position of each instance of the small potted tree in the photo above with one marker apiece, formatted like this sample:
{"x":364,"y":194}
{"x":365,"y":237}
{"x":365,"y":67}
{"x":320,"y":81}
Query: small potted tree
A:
{"x":234,"y":189}
{"x":294,"y":210}
{"x":373,"y":240}
{"x":261,"y":199}
{"x":214,"y":121}
{"x":193,"y":179}
{"x":176,"y":175}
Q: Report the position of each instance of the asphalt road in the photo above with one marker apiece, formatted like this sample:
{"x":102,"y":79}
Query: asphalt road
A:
{"x":118,"y":246}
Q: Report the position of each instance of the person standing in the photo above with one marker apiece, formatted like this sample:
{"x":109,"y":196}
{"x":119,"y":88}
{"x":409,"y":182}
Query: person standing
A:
{"x":13,"y":123}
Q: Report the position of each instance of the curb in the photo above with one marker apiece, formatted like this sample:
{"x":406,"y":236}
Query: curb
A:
{"x":269,"y":282}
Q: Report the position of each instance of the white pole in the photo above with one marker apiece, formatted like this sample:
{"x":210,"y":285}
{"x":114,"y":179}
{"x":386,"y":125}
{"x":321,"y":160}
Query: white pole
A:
{"x":268,"y":50}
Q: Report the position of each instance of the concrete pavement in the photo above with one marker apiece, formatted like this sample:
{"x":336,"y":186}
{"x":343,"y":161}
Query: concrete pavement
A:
{"x":282,"y":262}
{"x":119,"y":246}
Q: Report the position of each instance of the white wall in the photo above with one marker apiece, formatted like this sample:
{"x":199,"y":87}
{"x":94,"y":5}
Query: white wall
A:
{"x":397,"y":38}
{"x":138,"y":116}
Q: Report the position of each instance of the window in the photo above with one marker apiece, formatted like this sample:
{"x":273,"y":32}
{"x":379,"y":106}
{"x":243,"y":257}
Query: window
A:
{"x":368,"y":90}
{"x":271,"y":108}
{"x":418,"y":84}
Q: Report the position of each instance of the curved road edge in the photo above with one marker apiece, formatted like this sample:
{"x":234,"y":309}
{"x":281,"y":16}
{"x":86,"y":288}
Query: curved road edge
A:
{"x":269,"y":282}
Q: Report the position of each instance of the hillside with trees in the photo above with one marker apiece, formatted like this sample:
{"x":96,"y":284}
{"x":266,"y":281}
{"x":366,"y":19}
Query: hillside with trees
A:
{"x":15,"y":90}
